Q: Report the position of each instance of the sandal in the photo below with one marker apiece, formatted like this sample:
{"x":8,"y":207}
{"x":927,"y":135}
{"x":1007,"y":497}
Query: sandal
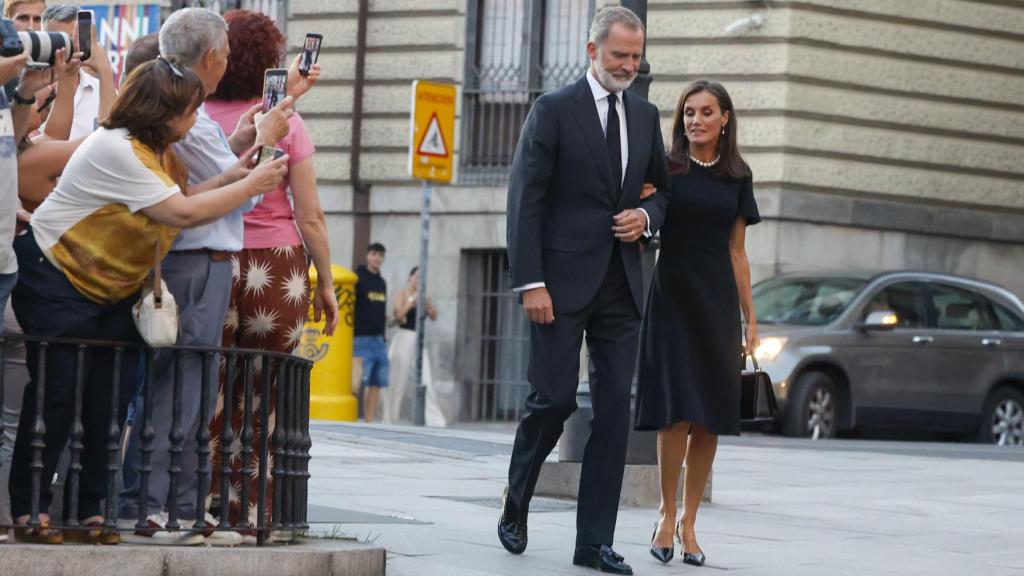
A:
{"x":40,"y":535}
{"x":93,"y":533}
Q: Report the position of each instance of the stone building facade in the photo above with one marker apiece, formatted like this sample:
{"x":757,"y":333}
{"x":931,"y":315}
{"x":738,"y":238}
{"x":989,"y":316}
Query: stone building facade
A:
{"x":881,"y":135}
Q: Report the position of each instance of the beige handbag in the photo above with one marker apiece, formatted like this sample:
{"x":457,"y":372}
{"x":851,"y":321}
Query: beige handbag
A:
{"x":156,"y":312}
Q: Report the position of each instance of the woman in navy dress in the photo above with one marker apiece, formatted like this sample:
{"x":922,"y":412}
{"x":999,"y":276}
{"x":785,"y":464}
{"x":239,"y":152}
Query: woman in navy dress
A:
{"x":691,"y":340}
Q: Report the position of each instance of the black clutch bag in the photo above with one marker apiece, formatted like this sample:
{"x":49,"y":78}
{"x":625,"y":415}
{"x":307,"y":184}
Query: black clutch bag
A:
{"x":757,"y":397}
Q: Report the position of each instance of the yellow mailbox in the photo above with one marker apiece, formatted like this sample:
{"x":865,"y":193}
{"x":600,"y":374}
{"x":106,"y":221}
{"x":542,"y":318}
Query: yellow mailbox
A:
{"x":330,"y":390}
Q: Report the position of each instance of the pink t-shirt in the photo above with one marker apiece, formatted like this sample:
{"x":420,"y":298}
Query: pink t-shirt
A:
{"x":271,"y":223}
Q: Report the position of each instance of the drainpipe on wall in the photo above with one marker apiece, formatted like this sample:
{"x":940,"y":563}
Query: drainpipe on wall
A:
{"x":360,"y":189}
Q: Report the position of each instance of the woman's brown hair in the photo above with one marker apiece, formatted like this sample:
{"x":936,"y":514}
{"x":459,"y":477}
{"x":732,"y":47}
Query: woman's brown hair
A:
{"x":256,"y":45}
{"x":731,"y":163}
{"x":154,"y":94}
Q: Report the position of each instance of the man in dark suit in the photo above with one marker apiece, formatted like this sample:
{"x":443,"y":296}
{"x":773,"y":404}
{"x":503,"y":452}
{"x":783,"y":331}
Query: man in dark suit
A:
{"x":575,"y":216}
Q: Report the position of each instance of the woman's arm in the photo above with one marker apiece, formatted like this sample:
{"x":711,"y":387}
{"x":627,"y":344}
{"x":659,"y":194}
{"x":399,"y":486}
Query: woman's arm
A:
{"x":309,"y":217}
{"x":741,"y":271}
{"x":403,"y":303}
{"x":183,"y":211}
{"x":40,"y":165}
{"x":431,"y":311}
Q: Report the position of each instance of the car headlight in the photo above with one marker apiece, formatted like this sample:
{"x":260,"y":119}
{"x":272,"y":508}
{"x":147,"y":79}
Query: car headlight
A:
{"x":769,"y":348}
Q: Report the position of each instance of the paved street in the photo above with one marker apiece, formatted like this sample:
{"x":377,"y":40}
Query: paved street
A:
{"x":781,"y":506}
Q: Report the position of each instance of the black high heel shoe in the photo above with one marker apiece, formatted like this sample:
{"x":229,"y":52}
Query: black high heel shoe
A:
{"x":663,"y":555}
{"x":692,"y":558}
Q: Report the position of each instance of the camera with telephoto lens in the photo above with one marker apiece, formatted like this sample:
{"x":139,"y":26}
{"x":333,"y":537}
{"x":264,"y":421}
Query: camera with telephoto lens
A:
{"x":43,"y":46}
{"x":10,"y":43}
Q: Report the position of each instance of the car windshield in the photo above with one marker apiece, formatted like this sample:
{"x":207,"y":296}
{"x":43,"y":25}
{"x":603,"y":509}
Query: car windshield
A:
{"x":804,"y":301}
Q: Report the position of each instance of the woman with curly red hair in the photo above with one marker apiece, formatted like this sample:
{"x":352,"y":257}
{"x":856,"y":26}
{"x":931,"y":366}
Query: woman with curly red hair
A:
{"x":270,"y":289}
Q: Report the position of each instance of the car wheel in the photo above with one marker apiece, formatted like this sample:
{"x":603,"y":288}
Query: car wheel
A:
{"x":813,"y":410}
{"x":1003,"y":420}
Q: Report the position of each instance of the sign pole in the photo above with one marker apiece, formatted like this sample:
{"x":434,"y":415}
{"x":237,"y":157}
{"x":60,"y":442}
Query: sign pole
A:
{"x":431,"y":146}
{"x":421,"y":305}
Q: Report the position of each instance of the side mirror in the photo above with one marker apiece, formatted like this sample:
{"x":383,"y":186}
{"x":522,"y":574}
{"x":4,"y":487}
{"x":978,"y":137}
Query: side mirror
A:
{"x":879,"y":320}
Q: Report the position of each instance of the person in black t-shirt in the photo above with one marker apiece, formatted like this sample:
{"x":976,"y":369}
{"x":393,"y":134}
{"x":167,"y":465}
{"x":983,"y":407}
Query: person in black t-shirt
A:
{"x":370,"y":346}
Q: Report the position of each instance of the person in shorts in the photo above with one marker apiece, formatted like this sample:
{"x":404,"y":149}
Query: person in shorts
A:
{"x":370,"y":345}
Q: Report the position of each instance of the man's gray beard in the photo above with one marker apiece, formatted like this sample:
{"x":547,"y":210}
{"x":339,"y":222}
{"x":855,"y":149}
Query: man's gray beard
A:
{"x":608,"y":80}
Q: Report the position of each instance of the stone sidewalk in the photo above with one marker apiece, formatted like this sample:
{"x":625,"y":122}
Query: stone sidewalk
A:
{"x":781,"y":506}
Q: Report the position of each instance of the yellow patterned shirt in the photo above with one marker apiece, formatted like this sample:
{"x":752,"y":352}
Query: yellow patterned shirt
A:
{"x":91,"y":227}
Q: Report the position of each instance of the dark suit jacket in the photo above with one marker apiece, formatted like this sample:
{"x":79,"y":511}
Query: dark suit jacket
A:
{"x":561,"y":197}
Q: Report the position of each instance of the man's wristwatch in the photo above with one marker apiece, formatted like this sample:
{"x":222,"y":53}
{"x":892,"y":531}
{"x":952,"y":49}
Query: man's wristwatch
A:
{"x":19,"y":99}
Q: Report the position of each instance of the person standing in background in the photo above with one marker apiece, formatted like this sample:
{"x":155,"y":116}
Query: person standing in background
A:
{"x":402,"y":359}
{"x":370,"y":345}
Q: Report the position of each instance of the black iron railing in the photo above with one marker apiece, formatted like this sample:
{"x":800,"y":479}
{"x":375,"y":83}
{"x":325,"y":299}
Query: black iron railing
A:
{"x":288,"y":446}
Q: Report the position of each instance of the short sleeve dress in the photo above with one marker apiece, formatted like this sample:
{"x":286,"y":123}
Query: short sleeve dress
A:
{"x":690,"y":341}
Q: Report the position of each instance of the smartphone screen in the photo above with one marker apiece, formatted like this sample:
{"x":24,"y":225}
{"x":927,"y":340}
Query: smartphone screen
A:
{"x":268,"y":153}
{"x":275,"y":87}
{"x":85,"y":19}
{"x":310,"y":53}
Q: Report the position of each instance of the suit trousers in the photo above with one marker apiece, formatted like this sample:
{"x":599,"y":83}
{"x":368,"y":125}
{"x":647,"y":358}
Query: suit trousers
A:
{"x":611,"y":325}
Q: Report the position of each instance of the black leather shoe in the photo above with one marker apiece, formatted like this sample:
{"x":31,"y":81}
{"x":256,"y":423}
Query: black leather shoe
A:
{"x":601,"y":558}
{"x":694,"y":559}
{"x":512,"y":526}
{"x":663,"y":555}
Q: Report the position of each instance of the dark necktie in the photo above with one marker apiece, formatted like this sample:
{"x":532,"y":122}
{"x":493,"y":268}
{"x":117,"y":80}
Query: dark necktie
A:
{"x":614,"y":143}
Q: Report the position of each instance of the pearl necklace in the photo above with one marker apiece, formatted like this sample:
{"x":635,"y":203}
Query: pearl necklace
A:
{"x":706,"y":164}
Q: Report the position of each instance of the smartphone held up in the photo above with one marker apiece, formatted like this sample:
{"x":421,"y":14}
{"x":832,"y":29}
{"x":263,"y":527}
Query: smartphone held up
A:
{"x":85,"y":23}
{"x":275,"y":87}
{"x":268,"y":154}
{"x":310,"y":53}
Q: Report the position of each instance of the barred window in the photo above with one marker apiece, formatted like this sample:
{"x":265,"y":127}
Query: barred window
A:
{"x":515,"y":51}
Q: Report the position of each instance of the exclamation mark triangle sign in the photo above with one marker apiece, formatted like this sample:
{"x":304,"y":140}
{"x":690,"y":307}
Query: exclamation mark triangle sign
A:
{"x":432,"y":143}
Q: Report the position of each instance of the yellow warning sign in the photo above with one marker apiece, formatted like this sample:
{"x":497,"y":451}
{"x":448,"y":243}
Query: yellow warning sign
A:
{"x":431,"y":145}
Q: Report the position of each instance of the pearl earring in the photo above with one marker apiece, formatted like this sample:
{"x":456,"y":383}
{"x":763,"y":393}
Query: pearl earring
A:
{"x":723,"y":128}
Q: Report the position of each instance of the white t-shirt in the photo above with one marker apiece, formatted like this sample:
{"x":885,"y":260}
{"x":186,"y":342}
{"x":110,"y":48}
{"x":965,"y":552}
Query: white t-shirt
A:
{"x":90,"y":226}
{"x":8,"y":188}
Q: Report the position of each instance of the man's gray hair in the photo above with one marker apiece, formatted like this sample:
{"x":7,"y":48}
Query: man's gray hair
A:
{"x":66,"y":13}
{"x":191,"y":32}
{"x":608,"y":17}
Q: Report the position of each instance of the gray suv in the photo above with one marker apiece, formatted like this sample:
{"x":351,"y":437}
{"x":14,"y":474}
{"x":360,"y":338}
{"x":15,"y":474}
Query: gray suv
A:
{"x":904,"y":349}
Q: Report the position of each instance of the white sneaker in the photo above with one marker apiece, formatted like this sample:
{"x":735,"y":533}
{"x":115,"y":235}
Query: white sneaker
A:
{"x":218,"y":537}
{"x":157,"y":534}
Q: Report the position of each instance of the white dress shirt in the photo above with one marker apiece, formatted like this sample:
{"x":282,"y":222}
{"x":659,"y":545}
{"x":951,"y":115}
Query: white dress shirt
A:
{"x":601,"y":100}
{"x":87,"y":106}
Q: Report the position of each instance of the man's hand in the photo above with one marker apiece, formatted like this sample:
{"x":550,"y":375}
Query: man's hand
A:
{"x":538,"y":307}
{"x":629,"y":225}
{"x":245,"y":131}
{"x":273,"y":125}
{"x":66,"y":71}
{"x":11,"y":66}
{"x":299,"y":84}
{"x":99,"y":61}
